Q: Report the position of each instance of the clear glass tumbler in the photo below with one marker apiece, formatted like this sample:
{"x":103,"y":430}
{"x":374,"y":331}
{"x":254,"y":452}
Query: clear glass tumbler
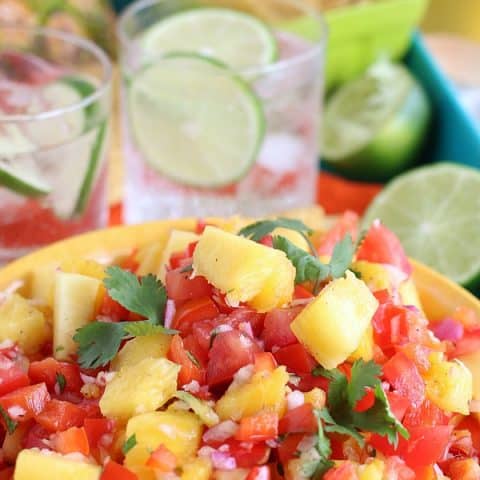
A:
{"x":54,"y":108}
{"x":221,"y":105}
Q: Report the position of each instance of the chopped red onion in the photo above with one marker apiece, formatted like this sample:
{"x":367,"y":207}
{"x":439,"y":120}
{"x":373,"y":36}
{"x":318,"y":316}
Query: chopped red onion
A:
{"x":169,"y":313}
{"x":223,"y":461}
{"x":448,"y":329}
{"x":221,"y":432}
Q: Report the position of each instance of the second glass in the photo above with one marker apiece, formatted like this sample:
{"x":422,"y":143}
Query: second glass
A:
{"x":221,"y":104}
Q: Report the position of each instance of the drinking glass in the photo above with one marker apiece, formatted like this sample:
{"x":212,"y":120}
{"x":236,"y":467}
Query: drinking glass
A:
{"x":189,"y":148}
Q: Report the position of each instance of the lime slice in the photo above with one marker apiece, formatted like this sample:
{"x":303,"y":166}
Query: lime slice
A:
{"x":195,"y":121}
{"x":236,"y":39}
{"x":21,"y":175}
{"x":374,"y":126}
{"x":435,"y":212}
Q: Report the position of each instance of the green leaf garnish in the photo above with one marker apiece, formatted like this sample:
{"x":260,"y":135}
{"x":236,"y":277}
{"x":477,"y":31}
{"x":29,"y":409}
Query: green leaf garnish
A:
{"x":9,"y":422}
{"x":99,"y":342}
{"x":258,"y":230}
{"x":129,"y":444}
{"x":61,"y":381}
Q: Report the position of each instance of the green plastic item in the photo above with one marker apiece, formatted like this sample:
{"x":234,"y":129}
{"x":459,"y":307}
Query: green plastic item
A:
{"x":360,"y":34}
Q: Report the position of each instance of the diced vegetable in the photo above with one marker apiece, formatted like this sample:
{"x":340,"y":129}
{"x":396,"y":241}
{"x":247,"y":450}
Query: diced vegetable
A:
{"x":332,"y":326}
{"x":472,"y":362}
{"x":197,"y":469}
{"x":177,"y":242}
{"x":205,"y":413}
{"x":375,"y":275}
{"x":140,"y":388}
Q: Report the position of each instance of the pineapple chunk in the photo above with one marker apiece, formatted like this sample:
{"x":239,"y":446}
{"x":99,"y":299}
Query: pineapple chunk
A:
{"x":449,"y":385}
{"x":332,"y":326}
{"x":140,"y":388}
{"x":76,"y":298}
{"x":472,"y":362}
{"x":373,"y":471}
{"x":365,"y":349}
{"x":149,"y":258}
{"x":23,"y":324}
{"x":180,"y":432}
{"x":135,"y":350}
{"x":409,"y":294}
{"x":265,"y":391}
{"x":198,"y":469}
{"x":178,"y":242}
{"x":375,"y":275}
{"x":42,"y":284}
{"x":83,"y":266}
{"x":296,"y":238}
{"x":315,"y":397}
{"x":246,"y":271}
{"x":34,"y":464}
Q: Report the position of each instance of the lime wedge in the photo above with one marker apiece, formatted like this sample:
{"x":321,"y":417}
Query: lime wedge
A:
{"x":374,"y":126}
{"x":234,"y":38}
{"x":435,"y":212}
{"x":195,"y":121}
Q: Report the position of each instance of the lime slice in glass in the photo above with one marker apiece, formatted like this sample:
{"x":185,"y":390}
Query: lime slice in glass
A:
{"x":435,"y":212}
{"x":195,"y":121}
{"x":374,"y":126}
{"x":234,"y":38}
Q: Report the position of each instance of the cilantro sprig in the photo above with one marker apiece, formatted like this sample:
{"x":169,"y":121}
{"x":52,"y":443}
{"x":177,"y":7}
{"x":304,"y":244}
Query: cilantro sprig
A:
{"x":258,"y":230}
{"x":129,"y":444}
{"x":99,"y":342}
{"x":343,"y":394}
{"x":10,"y":424}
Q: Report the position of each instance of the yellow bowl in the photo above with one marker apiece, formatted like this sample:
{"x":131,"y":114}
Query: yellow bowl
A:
{"x":439,"y":295}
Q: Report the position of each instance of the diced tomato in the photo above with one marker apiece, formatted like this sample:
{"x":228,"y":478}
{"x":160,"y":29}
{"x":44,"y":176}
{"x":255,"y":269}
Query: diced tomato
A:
{"x":130,"y":262}
{"x":202,"y":333}
{"x":37,"y":437}
{"x":230,"y":351}
{"x":464,"y":469}
{"x":288,"y":447}
{"x":298,"y":420}
{"x":47,"y":370}
{"x":366,"y":402}
{"x":201,"y":225}
{"x":258,"y":428}
{"x":72,"y":440}
{"x":180,"y":287}
{"x":426,"y":414}
{"x":111,"y":309}
{"x":473,"y":426}
{"x":6,"y":473}
{"x":90,"y":407}
{"x":258,"y":473}
{"x":191,"y":344}
{"x":96,"y":428}
{"x":180,"y":259}
{"x":309,"y":381}
{"x":467,"y":317}
{"x":395,"y":468}
{"x":418,"y":354}
{"x":425,"y":473}
{"x":12,"y":376}
{"x":264,"y":362}
{"x":405,"y":378}
{"x":296,"y":358}
{"x":346,"y":471}
{"x":248,"y":454}
{"x":58,"y":415}
{"x":347,"y":224}
{"x":115,"y":471}
{"x":398,"y":404}
{"x":381,"y":245}
{"x":162,"y":459}
{"x":243,"y":315}
{"x":277,"y":330}
{"x":24,"y":403}
{"x":301,"y":293}
{"x":191,"y":369}
{"x":469,"y":343}
{"x":194,"y":311}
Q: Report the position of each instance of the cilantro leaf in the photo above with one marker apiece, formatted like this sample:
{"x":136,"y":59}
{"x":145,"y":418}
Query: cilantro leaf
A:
{"x":256,"y":231}
{"x":342,"y":257}
{"x":364,"y":374}
{"x":61,"y":381}
{"x":129,"y":444}
{"x":146,"y":297}
{"x":144,"y":329}
{"x":9,"y":422}
{"x":98,"y":343}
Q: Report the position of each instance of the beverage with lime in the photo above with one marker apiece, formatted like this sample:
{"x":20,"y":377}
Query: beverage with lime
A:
{"x":221,"y":102}
{"x":54,"y":104}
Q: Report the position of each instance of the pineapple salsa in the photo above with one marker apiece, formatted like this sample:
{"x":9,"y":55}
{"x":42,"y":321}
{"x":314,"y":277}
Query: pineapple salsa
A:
{"x":261,"y":353}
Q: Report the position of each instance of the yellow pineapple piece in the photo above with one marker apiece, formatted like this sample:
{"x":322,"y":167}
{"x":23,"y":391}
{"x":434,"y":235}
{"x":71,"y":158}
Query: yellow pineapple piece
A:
{"x":42,"y":284}
{"x":472,"y":362}
{"x":180,"y":432}
{"x":198,"y":469}
{"x":315,"y":397}
{"x":246,"y":271}
{"x":373,"y":471}
{"x":375,"y":275}
{"x":76,"y":299}
{"x":178,"y":241}
{"x":83,"y":266}
{"x":135,"y":350}
{"x":332,"y":326}
{"x":34,"y":464}
{"x":409,"y":294}
{"x":365,"y":349}
{"x":296,"y":238}
{"x":264,"y":391}
{"x":140,"y":388}
{"x":22,"y":323}
{"x":149,"y":258}
{"x":449,"y":385}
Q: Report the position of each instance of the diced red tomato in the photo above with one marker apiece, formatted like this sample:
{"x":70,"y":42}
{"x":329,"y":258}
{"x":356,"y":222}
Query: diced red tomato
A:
{"x":258,"y":428}
{"x":277,"y":330}
{"x":258,"y":473}
{"x":182,"y":259}
{"x":346,"y":471}
{"x":47,"y":370}
{"x":115,"y":471}
{"x":347,"y":224}
{"x":469,"y":343}
{"x":396,"y":469}
{"x":194,"y":311}
{"x":6,"y":473}
{"x":301,"y":293}
{"x":24,"y":403}
{"x":72,"y":440}
{"x":111,"y":309}
{"x":230,"y":351}
{"x":180,"y":287}
{"x":58,"y":416}
{"x":366,"y":402}
{"x":37,"y":437}
{"x":381,"y":245}
{"x":12,"y":376}
{"x":90,"y":407}
{"x":309,"y":381}
{"x":405,"y":378}
{"x":191,"y":344}
{"x":296,"y":358}
{"x":398,"y":404}
{"x":191,"y":369}
{"x":96,"y":428}
{"x":464,"y":469}
{"x":130,"y":262}
{"x":426,"y":414}
{"x":200,"y":227}
{"x":298,"y":420}
{"x":264,"y":362}
{"x":248,"y":454}
{"x":288,"y":447}
{"x":473,"y":426}
{"x":243,"y":315}
{"x":162,"y":459}
{"x":467,"y":317}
